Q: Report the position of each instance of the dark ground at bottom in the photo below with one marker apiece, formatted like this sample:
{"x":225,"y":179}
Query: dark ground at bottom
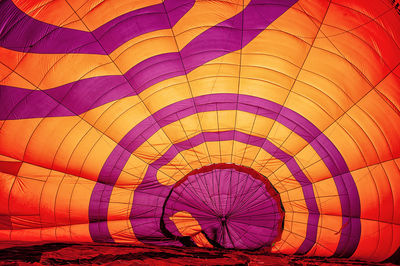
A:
{"x":116,"y":254}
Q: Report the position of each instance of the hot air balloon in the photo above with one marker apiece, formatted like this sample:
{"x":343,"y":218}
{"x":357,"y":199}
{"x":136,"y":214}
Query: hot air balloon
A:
{"x":220,"y":124}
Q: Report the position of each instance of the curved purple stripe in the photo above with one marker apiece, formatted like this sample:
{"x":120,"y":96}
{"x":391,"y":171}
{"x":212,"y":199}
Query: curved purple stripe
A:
{"x":82,"y":95}
{"x":150,"y":190}
{"x":217,"y":41}
{"x":20,"y":32}
{"x":67,"y":100}
{"x":326,"y":150}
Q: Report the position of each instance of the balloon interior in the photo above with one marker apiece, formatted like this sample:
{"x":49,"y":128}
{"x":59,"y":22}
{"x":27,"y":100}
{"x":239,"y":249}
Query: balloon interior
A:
{"x":227,"y":124}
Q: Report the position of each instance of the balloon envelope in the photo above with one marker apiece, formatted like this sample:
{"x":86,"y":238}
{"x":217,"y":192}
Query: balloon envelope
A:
{"x":229,"y":124}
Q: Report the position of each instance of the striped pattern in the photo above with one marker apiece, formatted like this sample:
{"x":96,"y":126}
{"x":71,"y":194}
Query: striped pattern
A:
{"x":106,"y":106}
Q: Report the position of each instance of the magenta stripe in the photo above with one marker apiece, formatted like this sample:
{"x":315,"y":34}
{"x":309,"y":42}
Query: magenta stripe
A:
{"x":82,"y":95}
{"x":68,"y":100}
{"x":20,"y":32}
{"x":150,"y":177}
{"x":326,"y":150}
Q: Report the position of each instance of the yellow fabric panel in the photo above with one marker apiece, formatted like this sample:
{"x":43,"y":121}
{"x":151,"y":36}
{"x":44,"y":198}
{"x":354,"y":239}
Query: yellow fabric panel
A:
{"x":204,"y":15}
{"x":119,"y":210}
{"x":302,"y":20}
{"x":327,"y":197}
{"x":328,"y":236}
{"x":8,"y":77}
{"x":184,"y":128}
{"x":142,"y":47}
{"x":188,"y":226}
{"x":226,"y":120}
{"x":243,"y":155}
{"x":68,"y":195}
{"x":283,"y":181}
{"x":165,"y":93}
{"x":345,"y":142}
{"x":53,"y":70}
{"x":314,"y":168}
{"x":121,"y":231}
{"x":117,"y":118}
{"x":75,"y":146}
{"x":356,"y":132}
{"x":371,"y":130}
{"x":133,"y":172}
{"x":154,"y":147}
{"x":120,"y":204}
{"x":95,"y":13}
{"x":296,"y":200}
{"x":293,"y":234}
{"x":217,"y":76}
{"x":338,"y":71}
{"x":60,"y":69}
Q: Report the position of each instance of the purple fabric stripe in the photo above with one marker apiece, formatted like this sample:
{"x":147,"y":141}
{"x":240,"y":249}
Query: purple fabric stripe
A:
{"x":21,"y":32}
{"x":150,"y":178}
{"x":82,"y":95}
{"x":67,"y":100}
{"x":17,"y":103}
{"x":217,"y":41}
{"x":269,"y":109}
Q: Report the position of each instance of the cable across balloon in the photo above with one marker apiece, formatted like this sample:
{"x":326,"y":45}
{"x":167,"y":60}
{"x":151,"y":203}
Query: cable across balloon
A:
{"x":239,"y":124}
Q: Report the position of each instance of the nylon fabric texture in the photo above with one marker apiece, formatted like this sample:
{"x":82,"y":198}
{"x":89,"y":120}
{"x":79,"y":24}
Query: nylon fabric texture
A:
{"x":238,"y":124}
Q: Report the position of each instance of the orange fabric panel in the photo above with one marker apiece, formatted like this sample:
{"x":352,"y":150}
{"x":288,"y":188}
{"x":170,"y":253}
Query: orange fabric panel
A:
{"x":337,"y":71}
{"x":356,"y":133}
{"x":58,"y":198}
{"x":68,"y":233}
{"x":372,"y":132}
{"x":6,"y":183}
{"x":76,"y":147}
{"x":28,"y":204}
{"x":56,"y":12}
{"x":387,"y":89}
{"x":95,"y":13}
{"x":392,"y":171}
{"x":301,"y":21}
{"x":389,"y":128}
{"x":378,"y":240}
